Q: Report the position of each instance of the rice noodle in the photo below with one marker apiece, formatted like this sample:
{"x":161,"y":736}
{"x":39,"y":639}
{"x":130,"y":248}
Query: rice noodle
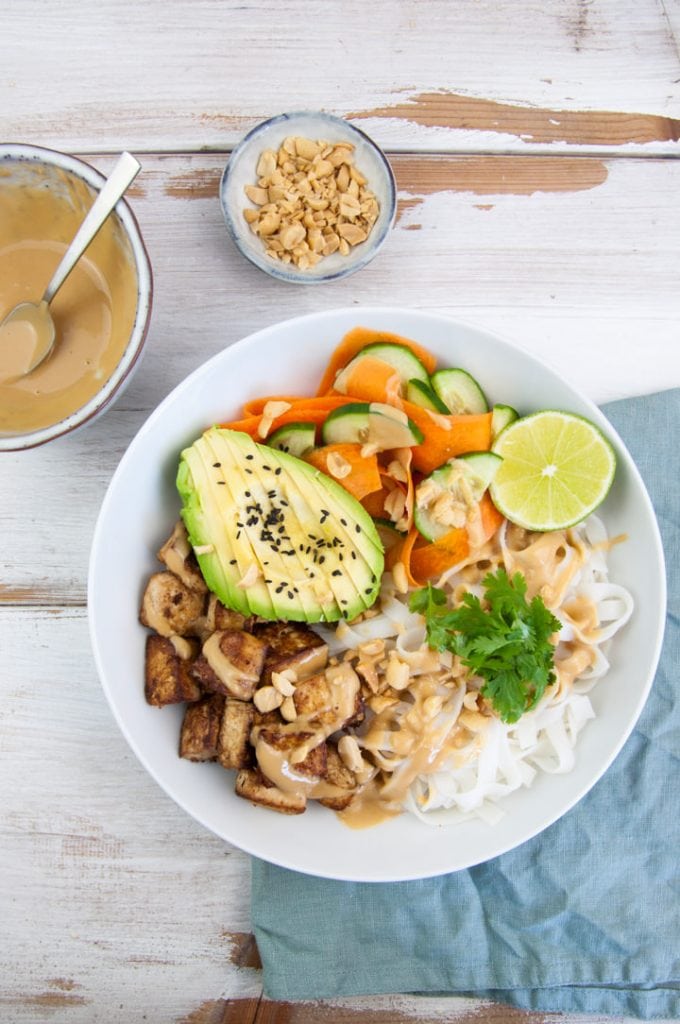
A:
{"x":438,"y":748}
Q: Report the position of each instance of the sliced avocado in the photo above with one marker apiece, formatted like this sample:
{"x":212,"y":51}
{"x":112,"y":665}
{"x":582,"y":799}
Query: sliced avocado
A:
{"x":295,"y":438}
{"x":420,"y":393}
{"x":459,"y":391}
{"x":501,"y":417}
{"x":399,"y":357}
{"x":370,"y":423}
{"x":443,"y":499}
{"x":273,"y":535}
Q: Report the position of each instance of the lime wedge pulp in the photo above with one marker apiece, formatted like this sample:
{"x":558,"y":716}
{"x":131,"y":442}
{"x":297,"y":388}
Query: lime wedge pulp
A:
{"x":557,"y":468}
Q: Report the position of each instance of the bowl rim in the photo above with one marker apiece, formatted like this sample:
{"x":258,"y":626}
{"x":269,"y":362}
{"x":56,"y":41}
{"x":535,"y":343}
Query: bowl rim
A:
{"x":245,"y":345}
{"x":271,"y":267}
{"x":27,"y":152}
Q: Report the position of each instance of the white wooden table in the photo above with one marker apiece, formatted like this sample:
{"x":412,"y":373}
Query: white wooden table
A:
{"x":536,"y":151}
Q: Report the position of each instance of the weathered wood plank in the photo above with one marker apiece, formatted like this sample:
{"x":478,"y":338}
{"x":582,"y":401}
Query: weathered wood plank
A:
{"x":437,"y":76}
{"x":148,"y":912}
{"x":575,"y":259}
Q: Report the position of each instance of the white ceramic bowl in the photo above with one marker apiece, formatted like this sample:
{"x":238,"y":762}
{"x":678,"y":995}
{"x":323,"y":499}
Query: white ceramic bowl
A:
{"x":139,"y":511}
{"x":17,"y":165}
{"x":241,"y":171}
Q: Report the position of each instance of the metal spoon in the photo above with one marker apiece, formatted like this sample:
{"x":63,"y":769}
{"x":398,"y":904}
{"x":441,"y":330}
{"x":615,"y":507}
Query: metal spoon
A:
{"x":29,"y":327}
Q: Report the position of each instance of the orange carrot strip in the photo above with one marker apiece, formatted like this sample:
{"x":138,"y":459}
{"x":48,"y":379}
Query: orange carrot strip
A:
{"x":310,"y":410}
{"x":358,"y":338}
{"x":364,"y":477}
{"x":369,"y":382}
{"x":254,"y":406}
{"x":490,"y":516}
{"x":375,"y":503}
{"x":469,"y":433}
{"x":403,"y":553}
{"x":430,"y":560}
{"x":434,"y":559}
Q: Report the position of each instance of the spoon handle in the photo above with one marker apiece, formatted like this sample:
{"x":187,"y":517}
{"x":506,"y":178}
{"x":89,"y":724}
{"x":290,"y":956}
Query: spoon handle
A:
{"x":122,"y":175}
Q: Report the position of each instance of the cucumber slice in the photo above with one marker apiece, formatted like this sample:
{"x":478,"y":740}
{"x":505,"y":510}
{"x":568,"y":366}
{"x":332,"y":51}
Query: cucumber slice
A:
{"x":459,"y":392}
{"x":399,"y":357}
{"x":295,"y":438}
{"x":461,"y":484}
{"x":370,"y":423}
{"x":501,"y":417}
{"x":420,"y":393}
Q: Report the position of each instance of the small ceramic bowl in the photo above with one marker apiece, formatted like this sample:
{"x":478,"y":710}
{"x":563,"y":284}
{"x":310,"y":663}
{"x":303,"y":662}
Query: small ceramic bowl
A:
{"x":241,"y":171}
{"x":71,"y":181}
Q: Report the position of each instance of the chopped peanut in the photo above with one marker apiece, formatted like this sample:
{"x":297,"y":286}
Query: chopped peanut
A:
{"x":311,"y":201}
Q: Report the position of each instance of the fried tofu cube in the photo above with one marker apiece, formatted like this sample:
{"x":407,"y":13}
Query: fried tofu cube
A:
{"x":312,"y":766}
{"x":252,"y":785}
{"x":234,"y":749}
{"x":339,"y":776}
{"x":231,"y":663}
{"x":199,"y":738}
{"x":292,"y":646}
{"x":167,"y":678}
{"x":316,"y":700}
{"x":178,"y":556}
{"x":168,"y":606}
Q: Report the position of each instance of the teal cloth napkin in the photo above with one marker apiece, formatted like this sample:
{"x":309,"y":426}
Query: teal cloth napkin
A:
{"x":583,"y":918}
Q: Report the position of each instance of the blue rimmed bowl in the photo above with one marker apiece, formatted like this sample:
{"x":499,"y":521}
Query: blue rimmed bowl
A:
{"x":241,"y":171}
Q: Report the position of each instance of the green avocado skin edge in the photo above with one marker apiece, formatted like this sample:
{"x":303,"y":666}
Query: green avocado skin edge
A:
{"x":273,"y":535}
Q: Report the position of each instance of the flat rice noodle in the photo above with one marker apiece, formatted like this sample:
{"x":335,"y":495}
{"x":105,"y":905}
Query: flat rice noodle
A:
{"x":358,"y":338}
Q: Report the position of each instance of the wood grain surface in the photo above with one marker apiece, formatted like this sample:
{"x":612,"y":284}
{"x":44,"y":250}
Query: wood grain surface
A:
{"x":536,"y":158}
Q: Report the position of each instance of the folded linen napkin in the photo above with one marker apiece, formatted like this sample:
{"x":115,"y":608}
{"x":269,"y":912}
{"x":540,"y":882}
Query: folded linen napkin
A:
{"x":583,"y":918}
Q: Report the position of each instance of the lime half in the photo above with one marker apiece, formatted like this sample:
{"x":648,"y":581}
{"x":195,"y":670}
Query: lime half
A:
{"x":556,"y":469}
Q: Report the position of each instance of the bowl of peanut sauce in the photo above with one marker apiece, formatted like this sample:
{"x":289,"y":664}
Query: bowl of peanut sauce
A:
{"x":101,"y":312}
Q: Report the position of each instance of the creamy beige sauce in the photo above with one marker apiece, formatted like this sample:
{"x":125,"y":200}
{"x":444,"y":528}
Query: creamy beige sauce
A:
{"x":279,"y":770}
{"x":237,"y":682}
{"x":279,"y":766}
{"x":544,"y":565}
{"x":93,"y":312}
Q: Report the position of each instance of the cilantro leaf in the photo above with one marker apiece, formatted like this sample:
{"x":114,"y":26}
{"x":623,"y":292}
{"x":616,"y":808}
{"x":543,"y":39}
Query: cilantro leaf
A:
{"x":506,"y":640}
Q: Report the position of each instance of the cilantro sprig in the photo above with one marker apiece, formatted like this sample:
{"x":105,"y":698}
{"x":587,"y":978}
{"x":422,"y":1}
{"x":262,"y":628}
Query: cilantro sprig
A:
{"x":505,"y":640}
